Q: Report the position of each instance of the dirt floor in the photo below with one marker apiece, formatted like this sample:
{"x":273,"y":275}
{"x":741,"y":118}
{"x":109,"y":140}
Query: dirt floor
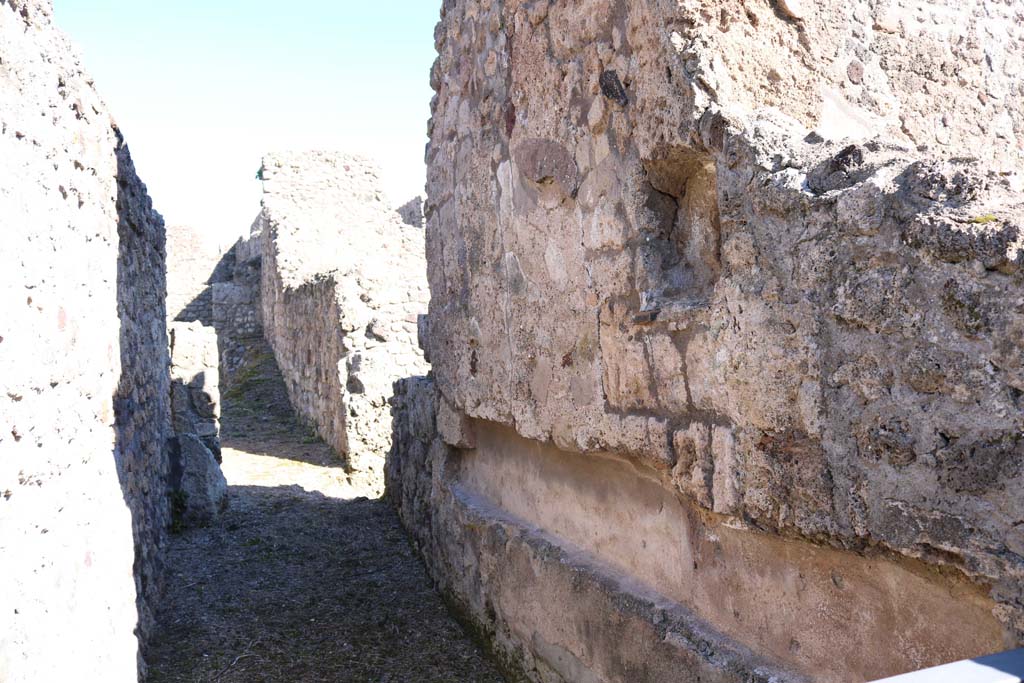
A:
{"x":301,"y":579}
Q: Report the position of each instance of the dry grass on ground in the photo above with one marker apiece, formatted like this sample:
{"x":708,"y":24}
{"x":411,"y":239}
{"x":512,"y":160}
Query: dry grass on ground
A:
{"x":299,"y":581}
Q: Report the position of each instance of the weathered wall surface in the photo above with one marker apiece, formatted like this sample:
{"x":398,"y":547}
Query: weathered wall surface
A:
{"x":341,"y":289}
{"x":196,"y":265}
{"x":237,"y":311}
{"x":142,"y":397}
{"x":550,"y":611}
{"x":198,"y":487}
{"x":195,"y":261}
{"x":83,"y":371}
{"x":770,"y":255}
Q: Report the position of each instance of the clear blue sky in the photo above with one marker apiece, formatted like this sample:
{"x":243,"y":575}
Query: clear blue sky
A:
{"x":202,"y":88}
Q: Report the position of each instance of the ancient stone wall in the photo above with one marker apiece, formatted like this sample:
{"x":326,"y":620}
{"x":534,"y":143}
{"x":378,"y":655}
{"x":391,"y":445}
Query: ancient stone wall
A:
{"x":195,"y":261}
{"x":341,"y":289}
{"x":726,"y":301}
{"x":549,"y":610}
{"x":142,"y":397}
{"x":237,"y":311}
{"x":83,"y":371}
{"x":196,"y":265}
{"x":412,"y":212}
{"x":198,"y":487}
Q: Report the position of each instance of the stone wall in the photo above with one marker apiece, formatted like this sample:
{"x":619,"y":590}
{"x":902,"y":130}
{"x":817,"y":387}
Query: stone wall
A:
{"x":83,"y":371}
{"x":742,"y":282}
{"x":141,"y":400}
{"x":412,"y":212}
{"x":195,"y":261}
{"x":196,"y":265}
{"x":198,"y":487}
{"x":237,"y":313}
{"x":341,"y":289}
{"x":218,"y":287}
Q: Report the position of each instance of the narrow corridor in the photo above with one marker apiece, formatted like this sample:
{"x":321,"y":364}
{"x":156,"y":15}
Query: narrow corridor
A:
{"x":301,"y":579}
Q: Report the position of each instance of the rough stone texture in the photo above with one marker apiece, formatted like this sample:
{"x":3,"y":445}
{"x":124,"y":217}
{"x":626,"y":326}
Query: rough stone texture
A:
{"x":141,"y":400}
{"x":550,"y":611}
{"x":771,"y":254}
{"x":237,"y":312}
{"x":412,"y":212}
{"x":195,"y":474}
{"x":197,"y":480}
{"x":195,"y":261}
{"x":84,"y":383}
{"x":341,"y":290}
{"x":566,"y":588}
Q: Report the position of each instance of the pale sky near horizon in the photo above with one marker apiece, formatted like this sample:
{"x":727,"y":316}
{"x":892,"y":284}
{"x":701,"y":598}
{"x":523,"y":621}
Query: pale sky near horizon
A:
{"x":202,"y":89}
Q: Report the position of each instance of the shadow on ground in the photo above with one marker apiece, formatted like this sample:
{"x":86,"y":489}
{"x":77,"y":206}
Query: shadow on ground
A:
{"x":257,"y":416}
{"x":300,"y":580}
{"x":293,"y":585}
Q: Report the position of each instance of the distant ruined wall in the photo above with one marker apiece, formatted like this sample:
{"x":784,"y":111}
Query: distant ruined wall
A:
{"x":198,"y":487}
{"x":304,"y":324}
{"x":237,"y":311}
{"x":196,"y":265}
{"x":83,"y":371}
{"x":726,"y":302}
{"x":342,"y":286}
{"x":195,"y":261}
{"x":412,"y":212}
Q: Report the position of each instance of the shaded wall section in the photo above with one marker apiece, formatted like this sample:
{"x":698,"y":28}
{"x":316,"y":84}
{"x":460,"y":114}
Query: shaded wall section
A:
{"x":237,"y":312}
{"x":143,"y":391}
{"x":199,"y":491}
